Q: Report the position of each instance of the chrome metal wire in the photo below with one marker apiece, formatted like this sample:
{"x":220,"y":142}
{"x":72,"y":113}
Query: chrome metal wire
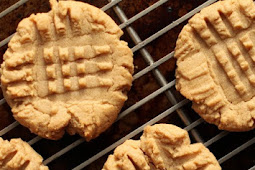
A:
{"x":152,"y":67}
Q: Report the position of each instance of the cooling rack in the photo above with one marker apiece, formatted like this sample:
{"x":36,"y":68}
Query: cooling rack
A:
{"x":227,"y":147}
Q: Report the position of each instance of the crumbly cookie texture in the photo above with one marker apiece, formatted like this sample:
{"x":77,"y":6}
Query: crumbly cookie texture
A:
{"x":67,"y":70}
{"x":19,"y":155}
{"x":215,"y":64}
{"x":163,"y":147}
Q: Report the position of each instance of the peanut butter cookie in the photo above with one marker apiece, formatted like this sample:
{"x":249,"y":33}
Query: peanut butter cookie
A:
{"x":216,"y":64}
{"x":18,"y":155}
{"x":162,"y":146}
{"x":67,"y":70}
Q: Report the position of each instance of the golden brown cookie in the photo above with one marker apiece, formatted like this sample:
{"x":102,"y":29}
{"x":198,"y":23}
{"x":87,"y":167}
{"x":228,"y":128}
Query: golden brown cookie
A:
{"x":162,"y":146}
{"x":67,"y":70}
{"x":216,"y":64}
{"x":19,"y":155}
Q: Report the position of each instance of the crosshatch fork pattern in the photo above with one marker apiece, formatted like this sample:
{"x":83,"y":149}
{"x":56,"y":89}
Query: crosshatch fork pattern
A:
{"x":194,"y":124}
{"x":221,"y":30}
{"x":75,"y":64}
{"x":75,"y":70}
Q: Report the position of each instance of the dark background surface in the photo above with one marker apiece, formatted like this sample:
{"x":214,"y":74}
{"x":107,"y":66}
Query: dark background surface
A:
{"x":142,"y":87}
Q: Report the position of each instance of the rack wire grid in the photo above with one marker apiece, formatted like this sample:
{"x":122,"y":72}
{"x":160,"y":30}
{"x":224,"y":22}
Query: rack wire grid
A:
{"x":151,"y":28}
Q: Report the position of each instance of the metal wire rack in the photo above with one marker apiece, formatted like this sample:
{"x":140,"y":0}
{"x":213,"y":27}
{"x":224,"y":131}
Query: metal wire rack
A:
{"x":178,"y":106}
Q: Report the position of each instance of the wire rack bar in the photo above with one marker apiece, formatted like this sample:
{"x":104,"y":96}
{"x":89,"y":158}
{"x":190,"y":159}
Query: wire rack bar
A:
{"x":8,"y":128}
{"x":194,"y":124}
{"x":34,"y":140}
{"x":132,"y":134}
{"x":2,"y":101}
{"x":157,"y":74}
{"x":110,"y":5}
{"x":252,"y":168}
{"x":12,"y":7}
{"x":63,"y":151}
{"x":146,"y":99}
{"x":237,"y":150}
{"x":141,"y":14}
{"x":172,"y":25}
{"x":153,"y":66}
{"x":6,"y":40}
{"x":216,"y":138}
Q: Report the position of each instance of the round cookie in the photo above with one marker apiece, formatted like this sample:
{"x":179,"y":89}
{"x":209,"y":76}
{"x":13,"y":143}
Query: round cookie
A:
{"x":162,"y":146}
{"x":18,"y":154}
{"x":67,"y":70}
{"x":216,"y":64}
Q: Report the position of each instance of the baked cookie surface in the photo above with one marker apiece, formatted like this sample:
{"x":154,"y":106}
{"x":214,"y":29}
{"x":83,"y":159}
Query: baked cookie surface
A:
{"x":67,"y":70}
{"x":162,"y":146}
{"x":18,"y":155}
{"x":216,"y":64}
